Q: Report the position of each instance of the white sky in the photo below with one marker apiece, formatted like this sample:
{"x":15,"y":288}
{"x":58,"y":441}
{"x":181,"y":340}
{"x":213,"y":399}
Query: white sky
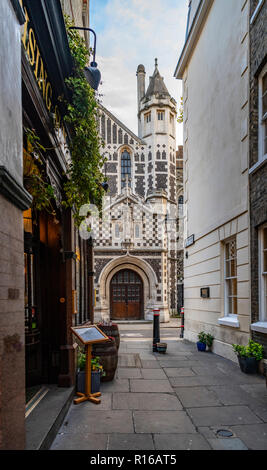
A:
{"x":133,"y":32}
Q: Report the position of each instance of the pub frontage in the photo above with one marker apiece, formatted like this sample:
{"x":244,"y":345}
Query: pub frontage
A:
{"x":56,"y":259}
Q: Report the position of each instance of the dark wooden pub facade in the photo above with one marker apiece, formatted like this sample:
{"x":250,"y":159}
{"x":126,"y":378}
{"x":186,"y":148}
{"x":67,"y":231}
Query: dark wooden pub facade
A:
{"x":58,"y":284}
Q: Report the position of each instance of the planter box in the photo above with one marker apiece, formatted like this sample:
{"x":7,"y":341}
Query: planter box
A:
{"x":248,"y":365}
{"x":95,"y":381}
{"x":201,"y":346}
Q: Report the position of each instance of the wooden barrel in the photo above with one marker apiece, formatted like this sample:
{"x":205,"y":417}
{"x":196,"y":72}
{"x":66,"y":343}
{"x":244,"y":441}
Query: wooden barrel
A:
{"x":111,"y":330}
{"x":108,"y":356}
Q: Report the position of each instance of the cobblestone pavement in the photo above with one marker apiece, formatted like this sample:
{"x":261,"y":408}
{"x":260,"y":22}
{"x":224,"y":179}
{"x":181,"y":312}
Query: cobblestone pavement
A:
{"x":181,"y":400}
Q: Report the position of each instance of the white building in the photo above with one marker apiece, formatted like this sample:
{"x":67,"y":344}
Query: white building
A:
{"x":215,"y":72}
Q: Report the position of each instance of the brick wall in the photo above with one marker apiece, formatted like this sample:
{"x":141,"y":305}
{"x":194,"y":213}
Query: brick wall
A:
{"x":258,"y":178}
{"x":12,"y":344}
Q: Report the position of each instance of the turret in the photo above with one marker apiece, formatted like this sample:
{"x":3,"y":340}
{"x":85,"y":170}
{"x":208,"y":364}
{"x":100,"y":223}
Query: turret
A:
{"x":141,"y":88}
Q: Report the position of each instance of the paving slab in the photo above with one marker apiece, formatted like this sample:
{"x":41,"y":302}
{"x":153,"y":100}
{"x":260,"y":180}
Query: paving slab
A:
{"x":171,"y":362}
{"x":231,"y":394}
{"x":222,"y":415}
{"x":146,"y":401}
{"x":197,"y":380}
{"x":98,"y":421}
{"x":180,"y":442}
{"x":130,"y":442}
{"x":129,"y":373}
{"x":227,"y":444}
{"x":156,"y":386}
{"x":76,"y":441}
{"x":254,"y":436}
{"x":115,"y":385}
{"x":197,"y":397}
{"x":179,"y":372}
{"x":163,"y":422}
{"x":153,"y":374}
{"x":129,"y":360}
{"x":147,"y":364}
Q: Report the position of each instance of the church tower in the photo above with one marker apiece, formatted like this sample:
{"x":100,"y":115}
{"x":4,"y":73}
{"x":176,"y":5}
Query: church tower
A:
{"x":156,"y":127}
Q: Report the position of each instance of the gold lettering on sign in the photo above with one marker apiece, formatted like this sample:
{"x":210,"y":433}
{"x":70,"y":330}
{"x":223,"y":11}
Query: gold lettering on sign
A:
{"x":35,"y":59}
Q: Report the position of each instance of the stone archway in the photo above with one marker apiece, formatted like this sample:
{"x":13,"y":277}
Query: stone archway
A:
{"x":141,"y":268}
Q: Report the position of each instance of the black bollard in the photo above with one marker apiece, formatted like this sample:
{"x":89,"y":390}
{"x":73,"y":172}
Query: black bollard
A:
{"x":156,"y":337}
{"x":182,"y":323}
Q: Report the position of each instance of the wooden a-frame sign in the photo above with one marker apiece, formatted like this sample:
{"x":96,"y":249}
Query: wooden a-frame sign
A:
{"x":88,"y":335}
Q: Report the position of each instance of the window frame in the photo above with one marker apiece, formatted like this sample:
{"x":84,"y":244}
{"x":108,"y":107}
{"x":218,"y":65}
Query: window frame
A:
{"x":262,"y":132}
{"x":123,"y":184}
{"x":262,"y":276}
{"x":162,"y":114}
{"x":228,"y":279}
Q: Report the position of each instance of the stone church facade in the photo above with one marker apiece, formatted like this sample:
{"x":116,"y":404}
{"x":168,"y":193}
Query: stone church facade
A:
{"x":135,"y":240}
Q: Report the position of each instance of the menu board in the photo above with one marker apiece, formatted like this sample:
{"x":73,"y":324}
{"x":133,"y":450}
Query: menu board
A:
{"x":89,"y":334}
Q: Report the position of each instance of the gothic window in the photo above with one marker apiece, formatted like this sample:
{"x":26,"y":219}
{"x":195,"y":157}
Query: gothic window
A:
{"x":125,"y":168}
{"x":148,"y":117}
{"x":160,"y":115}
{"x":163,"y":155}
{"x":103,"y":130}
{"x":158,"y":155}
{"x":120,"y":136}
{"x":125,"y":138}
{"x":114,"y":129}
{"x":109,"y":131}
{"x":149,"y":156}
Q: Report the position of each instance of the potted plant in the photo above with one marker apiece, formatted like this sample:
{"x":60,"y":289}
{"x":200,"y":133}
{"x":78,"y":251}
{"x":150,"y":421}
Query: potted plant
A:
{"x":209,"y":341}
{"x":96,"y":373}
{"x":249,"y":356}
{"x":201,"y":343}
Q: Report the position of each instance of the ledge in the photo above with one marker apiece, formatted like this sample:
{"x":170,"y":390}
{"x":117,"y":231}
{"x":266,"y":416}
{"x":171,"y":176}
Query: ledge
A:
{"x":260,"y":326}
{"x":229,"y":321}
{"x":14,"y":191}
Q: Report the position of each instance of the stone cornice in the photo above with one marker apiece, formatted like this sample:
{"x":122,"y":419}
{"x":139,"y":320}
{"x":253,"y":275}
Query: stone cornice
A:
{"x":13,"y":191}
{"x":198,"y":22}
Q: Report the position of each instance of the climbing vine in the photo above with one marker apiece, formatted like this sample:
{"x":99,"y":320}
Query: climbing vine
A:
{"x":84,"y":172}
{"x":34,"y":175}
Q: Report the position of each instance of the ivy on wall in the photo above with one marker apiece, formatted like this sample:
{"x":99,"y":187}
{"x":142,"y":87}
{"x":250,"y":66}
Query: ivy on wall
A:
{"x":84,"y":173}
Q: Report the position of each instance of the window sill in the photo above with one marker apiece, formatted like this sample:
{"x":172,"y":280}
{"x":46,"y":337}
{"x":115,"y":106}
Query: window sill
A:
{"x":229,"y":321}
{"x":260,"y":326}
{"x":258,"y":165}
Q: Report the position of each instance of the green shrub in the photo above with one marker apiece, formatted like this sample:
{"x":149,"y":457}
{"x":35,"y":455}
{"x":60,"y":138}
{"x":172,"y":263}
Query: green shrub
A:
{"x":252,"y":349}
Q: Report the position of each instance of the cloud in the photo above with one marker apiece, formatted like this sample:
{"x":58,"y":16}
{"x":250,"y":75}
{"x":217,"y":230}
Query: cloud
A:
{"x":130,"y":32}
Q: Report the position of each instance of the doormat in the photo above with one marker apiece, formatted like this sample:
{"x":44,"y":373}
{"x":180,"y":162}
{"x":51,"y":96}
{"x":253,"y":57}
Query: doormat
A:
{"x":129,"y":360}
{"x":37,"y":394}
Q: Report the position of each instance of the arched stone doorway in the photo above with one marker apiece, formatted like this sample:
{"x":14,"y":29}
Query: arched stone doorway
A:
{"x":126,"y":296}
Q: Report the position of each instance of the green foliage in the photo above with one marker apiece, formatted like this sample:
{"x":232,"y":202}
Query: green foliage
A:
{"x":202,"y":337}
{"x":95,"y":362}
{"x":84,"y":172}
{"x":34,"y":178}
{"x":209,"y":340}
{"x":180,"y":118}
{"x":206,"y":338}
{"x":253,"y":349}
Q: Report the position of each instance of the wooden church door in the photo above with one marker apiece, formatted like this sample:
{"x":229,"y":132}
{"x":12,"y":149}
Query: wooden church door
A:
{"x":126,"y":296}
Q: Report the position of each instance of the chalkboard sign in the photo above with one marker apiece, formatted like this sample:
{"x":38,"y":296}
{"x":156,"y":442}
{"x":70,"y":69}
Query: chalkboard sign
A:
{"x":89,"y":334}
